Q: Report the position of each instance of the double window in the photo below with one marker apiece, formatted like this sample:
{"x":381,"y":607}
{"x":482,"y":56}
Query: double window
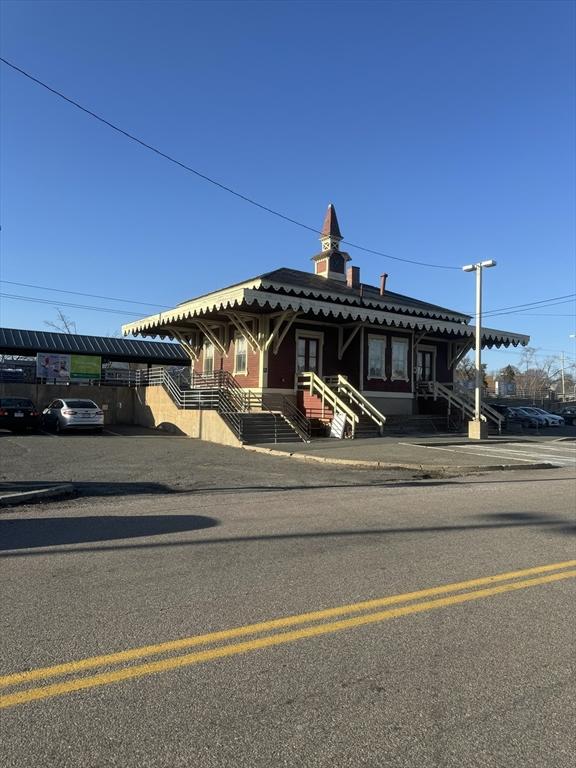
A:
{"x":377,"y":358}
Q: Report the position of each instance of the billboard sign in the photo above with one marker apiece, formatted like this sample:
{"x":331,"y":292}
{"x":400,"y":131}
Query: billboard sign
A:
{"x":53,"y":367}
{"x":85,"y":367}
{"x":56,"y":368}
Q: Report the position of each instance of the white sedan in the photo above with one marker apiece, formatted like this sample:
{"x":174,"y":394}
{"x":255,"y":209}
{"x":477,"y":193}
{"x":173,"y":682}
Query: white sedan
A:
{"x":72,"y":414}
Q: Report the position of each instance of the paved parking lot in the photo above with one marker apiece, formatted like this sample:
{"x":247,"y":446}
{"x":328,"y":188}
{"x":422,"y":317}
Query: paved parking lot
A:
{"x":560,"y":452}
{"x":132,"y":460}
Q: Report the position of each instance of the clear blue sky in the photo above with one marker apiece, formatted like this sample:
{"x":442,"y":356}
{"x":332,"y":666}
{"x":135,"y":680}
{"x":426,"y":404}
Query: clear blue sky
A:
{"x":442,"y":132}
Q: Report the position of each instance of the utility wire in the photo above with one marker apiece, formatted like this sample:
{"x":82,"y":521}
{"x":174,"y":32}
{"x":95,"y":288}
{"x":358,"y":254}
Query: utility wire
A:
{"x":89,"y":295}
{"x":529,"y":304}
{"x":68,"y":304}
{"x":206,"y":178}
{"x":518,"y":311}
{"x":540,"y":304}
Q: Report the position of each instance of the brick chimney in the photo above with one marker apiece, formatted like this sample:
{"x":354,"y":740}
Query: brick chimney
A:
{"x":353,"y":277}
{"x":383,"y":283}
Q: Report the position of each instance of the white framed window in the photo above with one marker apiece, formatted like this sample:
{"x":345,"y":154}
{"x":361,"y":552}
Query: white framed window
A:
{"x":400,"y":359}
{"x":208,"y":358}
{"x":376,"y":357}
{"x":240,"y":355}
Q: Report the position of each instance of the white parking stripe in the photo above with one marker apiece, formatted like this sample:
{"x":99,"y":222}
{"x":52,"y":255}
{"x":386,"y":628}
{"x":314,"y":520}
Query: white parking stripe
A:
{"x":464,"y":449}
{"x":565,"y":459}
{"x":516,"y":454}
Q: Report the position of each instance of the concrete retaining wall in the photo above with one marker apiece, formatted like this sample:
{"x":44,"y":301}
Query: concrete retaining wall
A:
{"x":116,"y":402}
{"x":153,"y":408}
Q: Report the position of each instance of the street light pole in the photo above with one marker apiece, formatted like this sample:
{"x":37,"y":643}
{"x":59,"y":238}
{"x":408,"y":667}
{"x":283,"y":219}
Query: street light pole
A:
{"x":477,"y":428}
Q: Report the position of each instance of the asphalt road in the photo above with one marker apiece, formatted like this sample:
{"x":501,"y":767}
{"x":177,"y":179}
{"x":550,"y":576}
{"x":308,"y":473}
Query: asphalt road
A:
{"x":485,"y":677}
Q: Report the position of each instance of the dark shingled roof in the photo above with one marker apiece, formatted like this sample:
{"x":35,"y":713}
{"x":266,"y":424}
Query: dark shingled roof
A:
{"x":298,"y":282}
{"x":15,"y":341}
{"x":310,"y":282}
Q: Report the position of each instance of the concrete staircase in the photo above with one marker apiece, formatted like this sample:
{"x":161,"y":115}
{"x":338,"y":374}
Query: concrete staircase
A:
{"x":366,"y":427}
{"x":266,"y":427}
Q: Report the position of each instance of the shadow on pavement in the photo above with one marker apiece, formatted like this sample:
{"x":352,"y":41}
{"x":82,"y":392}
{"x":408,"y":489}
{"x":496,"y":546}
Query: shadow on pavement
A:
{"x":54,"y":531}
{"x":89,"y":488}
{"x":502,"y":521}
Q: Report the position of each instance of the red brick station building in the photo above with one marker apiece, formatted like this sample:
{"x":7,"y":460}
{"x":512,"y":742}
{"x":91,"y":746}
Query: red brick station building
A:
{"x":297,"y":334}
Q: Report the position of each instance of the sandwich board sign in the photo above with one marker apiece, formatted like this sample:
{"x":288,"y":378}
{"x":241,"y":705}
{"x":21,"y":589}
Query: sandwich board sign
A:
{"x":338,"y":426}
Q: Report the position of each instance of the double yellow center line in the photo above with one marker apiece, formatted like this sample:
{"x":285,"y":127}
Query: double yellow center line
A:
{"x":317,"y":623}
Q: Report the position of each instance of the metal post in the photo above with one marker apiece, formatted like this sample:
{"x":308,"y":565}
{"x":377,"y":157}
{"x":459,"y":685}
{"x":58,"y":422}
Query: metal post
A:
{"x":563,"y":380}
{"x":478,"y":390}
{"x":477,"y":428}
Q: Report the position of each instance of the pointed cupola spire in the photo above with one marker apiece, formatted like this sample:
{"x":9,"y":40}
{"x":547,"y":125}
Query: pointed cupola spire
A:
{"x":331,"y":235}
{"x":331,"y":261}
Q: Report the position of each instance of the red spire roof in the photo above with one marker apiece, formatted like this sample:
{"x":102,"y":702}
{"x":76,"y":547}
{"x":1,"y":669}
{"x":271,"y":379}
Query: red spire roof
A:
{"x":330,"y":227}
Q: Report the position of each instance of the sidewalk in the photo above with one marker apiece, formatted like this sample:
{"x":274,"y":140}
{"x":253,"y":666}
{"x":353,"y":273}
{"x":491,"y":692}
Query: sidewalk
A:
{"x":441,"y":452}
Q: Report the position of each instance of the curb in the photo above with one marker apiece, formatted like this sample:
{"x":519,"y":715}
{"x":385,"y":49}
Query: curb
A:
{"x":39,"y":494}
{"x":359,"y":464}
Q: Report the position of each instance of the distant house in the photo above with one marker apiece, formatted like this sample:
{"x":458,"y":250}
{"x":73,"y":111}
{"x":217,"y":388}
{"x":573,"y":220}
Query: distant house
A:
{"x":277,"y":332}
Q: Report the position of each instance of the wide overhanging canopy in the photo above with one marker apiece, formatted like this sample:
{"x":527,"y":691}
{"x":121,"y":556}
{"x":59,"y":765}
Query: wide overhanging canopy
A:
{"x":186,"y":320}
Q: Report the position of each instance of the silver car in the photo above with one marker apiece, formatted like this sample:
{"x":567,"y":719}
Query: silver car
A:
{"x":552,"y":420}
{"x":73,"y":413}
{"x":529,"y":417}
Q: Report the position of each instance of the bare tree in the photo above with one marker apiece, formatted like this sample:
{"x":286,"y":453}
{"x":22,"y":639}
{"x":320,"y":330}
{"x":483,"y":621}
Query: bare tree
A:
{"x":62,"y":324}
{"x":466,"y":371}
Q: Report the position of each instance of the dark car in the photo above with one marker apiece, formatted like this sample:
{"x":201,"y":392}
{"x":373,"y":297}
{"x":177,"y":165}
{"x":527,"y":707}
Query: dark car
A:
{"x":18,"y":414}
{"x":568,"y":414}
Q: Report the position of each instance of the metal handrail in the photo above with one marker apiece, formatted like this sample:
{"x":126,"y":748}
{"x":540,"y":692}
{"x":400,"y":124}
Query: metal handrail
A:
{"x":220,"y":392}
{"x":461,"y":401}
{"x":296,"y":419}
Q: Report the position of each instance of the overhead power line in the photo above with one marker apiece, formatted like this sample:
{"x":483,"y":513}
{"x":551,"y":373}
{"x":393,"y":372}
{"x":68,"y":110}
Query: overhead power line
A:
{"x":519,"y":311}
{"x":54,"y":303}
{"x":89,"y":295}
{"x":539,"y":304}
{"x":529,"y":304}
{"x":207,"y":178}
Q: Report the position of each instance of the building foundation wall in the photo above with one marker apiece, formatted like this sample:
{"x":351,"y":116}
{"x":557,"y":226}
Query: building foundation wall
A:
{"x":154,"y":409}
{"x":392,"y":406}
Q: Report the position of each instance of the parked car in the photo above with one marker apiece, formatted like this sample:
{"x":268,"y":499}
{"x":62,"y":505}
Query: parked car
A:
{"x":73,"y":413}
{"x":505,"y":411}
{"x":568,"y":414}
{"x":528,"y":418}
{"x":18,"y":414}
{"x":552,"y":419}
{"x":524,"y":418}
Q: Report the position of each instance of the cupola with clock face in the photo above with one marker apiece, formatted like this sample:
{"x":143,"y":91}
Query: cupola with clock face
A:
{"x":331,"y":261}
